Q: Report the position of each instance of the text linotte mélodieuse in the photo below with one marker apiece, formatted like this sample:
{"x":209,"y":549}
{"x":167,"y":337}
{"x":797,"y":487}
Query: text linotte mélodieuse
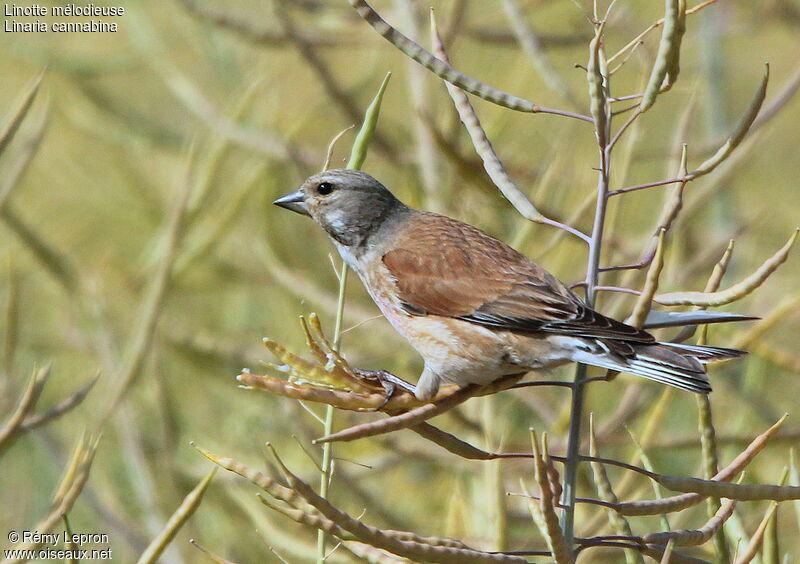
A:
{"x":70,"y":10}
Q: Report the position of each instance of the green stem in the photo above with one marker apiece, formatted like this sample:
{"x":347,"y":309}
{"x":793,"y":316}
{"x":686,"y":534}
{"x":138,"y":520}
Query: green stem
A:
{"x":337,"y":328}
{"x":327,"y":448}
{"x":357,"y":156}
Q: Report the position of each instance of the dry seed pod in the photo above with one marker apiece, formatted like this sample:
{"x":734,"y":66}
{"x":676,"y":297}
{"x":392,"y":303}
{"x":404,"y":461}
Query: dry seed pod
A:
{"x":741,"y":492}
{"x":536,"y":512}
{"x":70,"y":487}
{"x":758,"y":538}
{"x":296,"y":366}
{"x":657,"y":552}
{"x":644,"y":302}
{"x":735,"y":292}
{"x":552,"y":473}
{"x":403,"y":420}
{"x":333,"y":361}
{"x":379,"y":539}
{"x":257,"y":478}
{"x":679,"y":502}
{"x":739,"y":132}
{"x":331,"y":354}
{"x":694,"y":537}
{"x":451,"y":443}
{"x":187,"y":507}
{"x":673,"y":204}
{"x":606,"y":492}
{"x":311,"y":342}
{"x":340,"y":399}
{"x":438,"y":67}
{"x":555,"y":539}
{"x":433,"y":541}
{"x":310,"y":519}
{"x":211,"y":556}
{"x":33,"y":421}
{"x":491,"y":162}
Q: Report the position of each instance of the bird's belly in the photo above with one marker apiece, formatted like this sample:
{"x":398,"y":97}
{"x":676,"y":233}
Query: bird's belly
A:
{"x":465,"y":353}
{"x":459,"y":351}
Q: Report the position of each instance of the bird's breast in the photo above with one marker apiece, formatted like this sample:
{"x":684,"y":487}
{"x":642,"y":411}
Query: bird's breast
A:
{"x":447,"y":345}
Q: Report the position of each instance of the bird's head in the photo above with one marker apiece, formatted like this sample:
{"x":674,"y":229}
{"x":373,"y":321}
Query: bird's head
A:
{"x":350,"y":205}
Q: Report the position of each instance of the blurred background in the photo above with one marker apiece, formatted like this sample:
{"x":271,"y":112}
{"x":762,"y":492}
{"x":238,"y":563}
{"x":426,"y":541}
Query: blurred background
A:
{"x":227,"y":106}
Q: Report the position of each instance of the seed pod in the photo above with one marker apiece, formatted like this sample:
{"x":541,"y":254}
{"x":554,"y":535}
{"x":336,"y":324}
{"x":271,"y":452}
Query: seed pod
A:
{"x":438,"y":67}
{"x":694,"y":537}
{"x":378,"y":538}
{"x":361,"y":144}
{"x":666,"y":65}
{"x":186,"y":509}
{"x":741,"y":492}
{"x":276,"y":490}
{"x":598,"y":88}
{"x":555,"y":539}
{"x":739,"y":133}
{"x":674,"y":67}
{"x":606,"y":492}
{"x":735,"y":292}
{"x":645,"y":300}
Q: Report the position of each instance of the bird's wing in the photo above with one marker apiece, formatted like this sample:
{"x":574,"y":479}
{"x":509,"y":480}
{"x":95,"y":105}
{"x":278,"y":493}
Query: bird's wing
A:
{"x":444,"y":267}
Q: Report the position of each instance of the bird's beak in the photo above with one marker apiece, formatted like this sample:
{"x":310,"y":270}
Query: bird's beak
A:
{"x":294,"y":201}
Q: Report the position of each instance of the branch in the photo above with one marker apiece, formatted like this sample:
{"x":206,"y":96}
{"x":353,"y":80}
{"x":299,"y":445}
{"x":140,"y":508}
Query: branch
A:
{"x":735,"y":138}
{"x":448,"y":73}
{"x":491,"y":162}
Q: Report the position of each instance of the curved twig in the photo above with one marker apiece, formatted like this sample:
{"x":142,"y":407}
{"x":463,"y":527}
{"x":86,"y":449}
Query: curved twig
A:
{"x":448,"y":73}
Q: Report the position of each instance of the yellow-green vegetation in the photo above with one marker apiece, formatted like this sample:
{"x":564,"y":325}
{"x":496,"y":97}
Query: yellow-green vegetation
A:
{"x":138,"y":243}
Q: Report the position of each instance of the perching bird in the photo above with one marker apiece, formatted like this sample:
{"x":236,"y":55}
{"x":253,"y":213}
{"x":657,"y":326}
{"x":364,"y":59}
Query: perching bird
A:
{"x":472,"y":306}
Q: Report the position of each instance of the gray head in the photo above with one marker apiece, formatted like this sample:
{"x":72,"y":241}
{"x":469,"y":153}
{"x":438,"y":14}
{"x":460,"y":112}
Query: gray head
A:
{"x":350,"y":205}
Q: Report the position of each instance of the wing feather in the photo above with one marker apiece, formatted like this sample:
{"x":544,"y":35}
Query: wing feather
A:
{"x":447,"y":268}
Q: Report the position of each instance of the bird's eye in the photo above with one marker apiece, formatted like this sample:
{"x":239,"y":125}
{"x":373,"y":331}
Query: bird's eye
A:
{"x":325,"y":188}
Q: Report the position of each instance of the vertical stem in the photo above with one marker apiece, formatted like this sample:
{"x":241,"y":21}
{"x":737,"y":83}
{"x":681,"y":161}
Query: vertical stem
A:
{"x":573,"y":450}
{"x":493,"y":475}
{"x":599,"y":93}
{"x":327,"y":450}
{"x":576,"y":409}
{"x":593,"y":264}
{"x":357,"y":156}
{"x":337,"y":328}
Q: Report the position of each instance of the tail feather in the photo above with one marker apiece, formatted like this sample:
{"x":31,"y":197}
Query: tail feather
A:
{"x":705,"y":354}
{"x":677,"y":365}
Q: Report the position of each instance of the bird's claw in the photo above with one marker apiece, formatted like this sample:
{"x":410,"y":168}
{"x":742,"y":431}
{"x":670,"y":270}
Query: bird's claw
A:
{"x":388,"y":381}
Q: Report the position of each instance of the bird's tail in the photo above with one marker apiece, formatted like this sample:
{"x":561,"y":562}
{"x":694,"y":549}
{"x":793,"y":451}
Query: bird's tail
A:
{"x":677,"y":365}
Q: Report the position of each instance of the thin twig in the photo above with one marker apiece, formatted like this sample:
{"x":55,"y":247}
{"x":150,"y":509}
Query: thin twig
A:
{"x":491,"y":162}
{"x":448,"y":73}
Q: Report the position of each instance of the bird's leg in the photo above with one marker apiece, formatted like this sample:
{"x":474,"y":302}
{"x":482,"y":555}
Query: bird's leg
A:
{"x":388,"y":381}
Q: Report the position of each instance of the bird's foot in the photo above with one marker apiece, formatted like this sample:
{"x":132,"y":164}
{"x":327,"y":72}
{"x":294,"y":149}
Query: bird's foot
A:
{"x":388,"y":381}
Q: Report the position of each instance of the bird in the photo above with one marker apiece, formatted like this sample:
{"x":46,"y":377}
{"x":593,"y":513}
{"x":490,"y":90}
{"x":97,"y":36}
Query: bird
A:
{"x":474,"y":308}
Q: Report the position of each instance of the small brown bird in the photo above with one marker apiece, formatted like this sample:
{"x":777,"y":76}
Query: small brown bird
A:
{"x":472,"y":306}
